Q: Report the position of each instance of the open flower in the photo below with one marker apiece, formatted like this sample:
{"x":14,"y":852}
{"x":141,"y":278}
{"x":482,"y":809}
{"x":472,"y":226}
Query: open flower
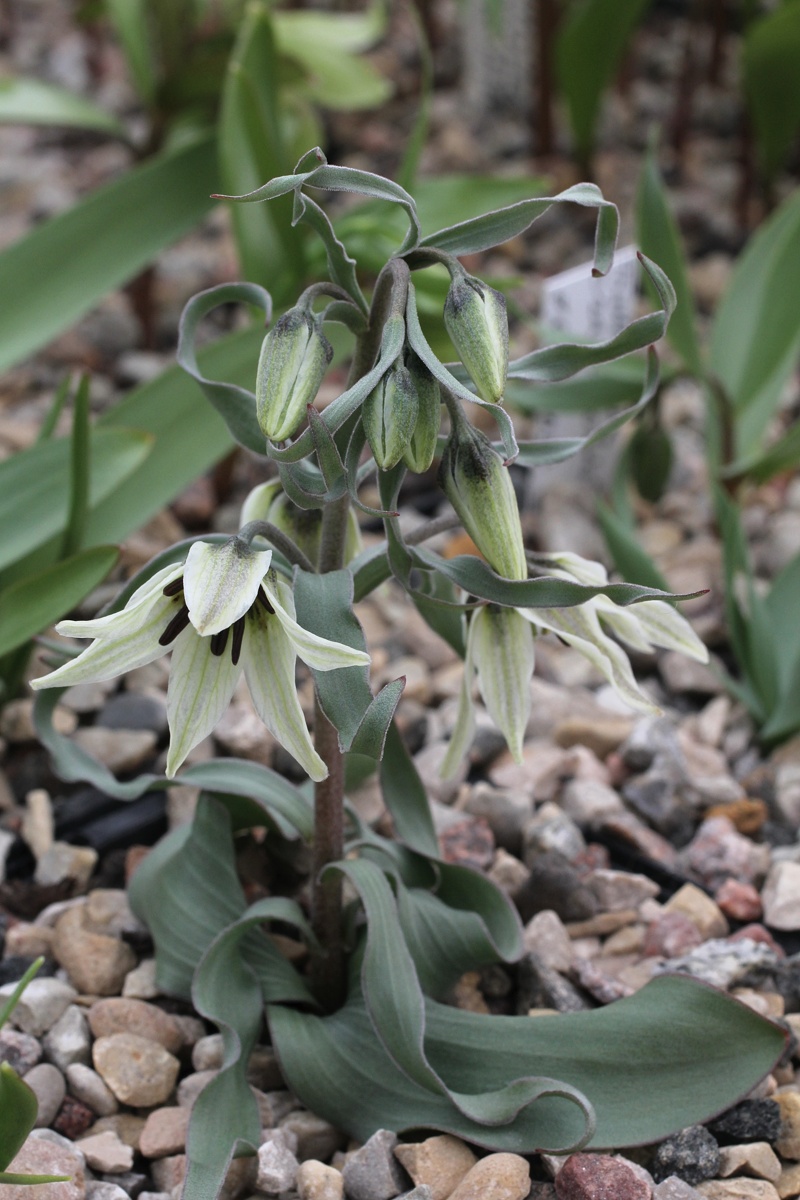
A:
{"x":223,"y":611}
{"x":500,"y":651}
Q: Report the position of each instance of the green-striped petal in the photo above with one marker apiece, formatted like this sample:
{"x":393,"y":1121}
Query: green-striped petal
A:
{"x":503,"y":654}
{"x":200,"y":688}
{"x":220,"y":583}
{"x":318,"y":652}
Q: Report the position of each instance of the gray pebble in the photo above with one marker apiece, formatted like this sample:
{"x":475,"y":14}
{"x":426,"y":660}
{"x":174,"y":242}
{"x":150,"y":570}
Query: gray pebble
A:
{"x":48,"y":1084}
{"x":87,"y":1086}
{"x":134,"y":710}
{"x":692,"y":1155}
{"x":555,"y":884}
{"x":720,"y":962}
{"x":423,"y":1192}
{"x":277,"y":1165}
{"x":68,"y":1041}
{"x":19,"y":1050}
{"x":373,"y":1173}
{"x":316,"y":1137}
{"x":98,"y":1189}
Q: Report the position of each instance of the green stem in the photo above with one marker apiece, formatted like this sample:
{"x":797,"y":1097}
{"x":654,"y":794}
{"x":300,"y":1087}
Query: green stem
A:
{"x":328,"y":974}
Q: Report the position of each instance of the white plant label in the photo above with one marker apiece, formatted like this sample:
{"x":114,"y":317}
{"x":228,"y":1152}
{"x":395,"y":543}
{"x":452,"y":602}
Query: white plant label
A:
{"x":595,"y":309}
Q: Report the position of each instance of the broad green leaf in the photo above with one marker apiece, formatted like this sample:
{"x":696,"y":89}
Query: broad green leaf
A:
{"x":675,"y":1053}
{"x":348,"y":33}
{"x":132,"y":24}
{"x":335,"y":78}
{"x":80,"y":470}
{"x":589,"y":48}
{"x":324,"y":606}
{"x":240,"y":968}
{"x":251,"y":148}
{"x":56,"y":273}
{"x":19,"y":1108}
{"x":33,"y":102}
{"x":629,"y":558}
{"x":770,"y":54}
{"x":481,"y":233}
{"x":755,"y":336}
{"x":254,"y":795}
{"x":35,"y":485}
{"x":30,"y":605}
{"x":236,"y":405}
{"x":659,"y":238}
{"x":406,"y":798}
{"x":605,"y":386}
{"x":782,"y":455}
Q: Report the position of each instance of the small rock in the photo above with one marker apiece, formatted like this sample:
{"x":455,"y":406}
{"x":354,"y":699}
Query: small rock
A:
{"x":29,"y":940}
{"x":547,"y":938}
{"x":749,"y":1121}
{"x":105,"y":1152}
{"x":40,"y":1005}
{"x":121,"y":750}
{"x":140,"y":983}
{"x":62,"y":861}
{"x":50,"y":1155}
{"x":671,"y":935}
{"x":168,"y":1173}
{"x":752,"y":1158}
{"x":739,"y":901}
{"x":440,"y":1162}
{"x":701,"y":910}
{"x":674,"y":1188}
{"x":552,"y":829}
{"x":277,"y":1165}
{"x":738,"y":1189}
{"x":74,"y":1118}
{"x":86,"y":1085}
{"x":717,"y":851}
{"x":692,"y":1155}
{"x":600,"y":734}
{"x":134,"y":710}
{"x":541,"y":987}
{"x":68,"y":1040}
{"x":468,"y":843}
{"x":139,"y":1072}
{"x":16,"y":721}
{"x":19,"y":1050}
{"x":48,"y":1084}
{"x":100,"y":1189}
{"x":789,"y":1182}
{"x":682,"y":674}
{"x":723,"y":962}
{"x":97,"y":964}
{"x":192,"y":1085}
{"x":274,"y":1106}
{"x":119,"y":1014}
{"x":619,"y":890}
{"x":780,"y":896}
{"x":495,"y":1177}
{"x":589,"y":800}
{"x":507,"y":872}
{"x":315,"y":1181}
{"x":506,"y":813}
{"x":788,"y":1144}
{"x":207,"y":1053}
{"x":164,"y":1132}
{"x":372,"y":1172}
{"x":126,"y":1126}
{"x":599,"y":1177}
{"x":555,"y":884}
{"x":316,"y":1137}
{"x":106,"y":910}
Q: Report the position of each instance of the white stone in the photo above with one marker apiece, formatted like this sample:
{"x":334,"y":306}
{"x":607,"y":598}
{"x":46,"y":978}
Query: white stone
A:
{"x":68,"y":1041}
{"x":781,"y":896}
{"x":40,"y":1005}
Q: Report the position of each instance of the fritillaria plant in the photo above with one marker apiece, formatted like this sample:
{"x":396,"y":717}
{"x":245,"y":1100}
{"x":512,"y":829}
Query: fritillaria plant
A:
{"x":360,"y":1021}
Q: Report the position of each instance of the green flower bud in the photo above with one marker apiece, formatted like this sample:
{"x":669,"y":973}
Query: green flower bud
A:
{"x":294,"y":357}
{"x":475,"y":317}
{"x":389,"y":414}
{"x":479,"y":487}
{"x":268,"y":502}
{"x":418,"y":454}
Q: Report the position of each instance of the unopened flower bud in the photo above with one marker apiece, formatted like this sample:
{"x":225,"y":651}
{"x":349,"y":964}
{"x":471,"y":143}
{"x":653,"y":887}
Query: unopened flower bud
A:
{"x":418,"y":454}
{"x":479,"y":487}
{"x":390,"y":415}
{"x":475,"y":317}
{"x":294,"y":357}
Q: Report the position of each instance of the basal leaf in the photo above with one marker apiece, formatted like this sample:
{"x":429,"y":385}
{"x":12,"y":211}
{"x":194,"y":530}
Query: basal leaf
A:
{"x":405,"y":797}
{"x":19,"y":1107}
{"x":755,"y":338}
{"x":659,"y":238}
{"x":589,"y":46}
{"x":337,"y":80}
{"x":60,"y":270}
{"x":35,"y":485}
{"x":770,"y":53}
{"x":675,"y":1053}
{"x":34,"y":102}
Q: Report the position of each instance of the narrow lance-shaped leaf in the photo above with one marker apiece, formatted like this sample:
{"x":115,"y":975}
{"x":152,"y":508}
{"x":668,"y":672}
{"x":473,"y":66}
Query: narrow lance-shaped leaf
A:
{"x":34,"y":102}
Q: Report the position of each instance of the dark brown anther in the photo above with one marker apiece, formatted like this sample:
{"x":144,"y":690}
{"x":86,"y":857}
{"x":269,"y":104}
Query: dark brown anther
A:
{"x":172,"y":589}
{"x":261,"y":599}
{"x":218,"y":642}
{"x":236,"y":640}
{"x":176,"y":626}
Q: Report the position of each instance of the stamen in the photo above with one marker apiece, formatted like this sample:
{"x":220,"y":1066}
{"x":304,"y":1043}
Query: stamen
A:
{"x":176,"y":626}
{"x":237,"y":639}
{"x":261,"y":599}
{"x":173,"y":588}
{"x":218,"y":642}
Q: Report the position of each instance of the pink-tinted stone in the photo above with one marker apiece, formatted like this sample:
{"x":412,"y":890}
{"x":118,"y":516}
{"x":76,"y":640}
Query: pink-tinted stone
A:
{"x":758,"y":933}
{"x":671,"y":935}
{"x":738,"y":900}
{"x":599,"y":1177}
{"x":468,"y":843}
{"x":74,"y":1118}
{"x":717,"y":852}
